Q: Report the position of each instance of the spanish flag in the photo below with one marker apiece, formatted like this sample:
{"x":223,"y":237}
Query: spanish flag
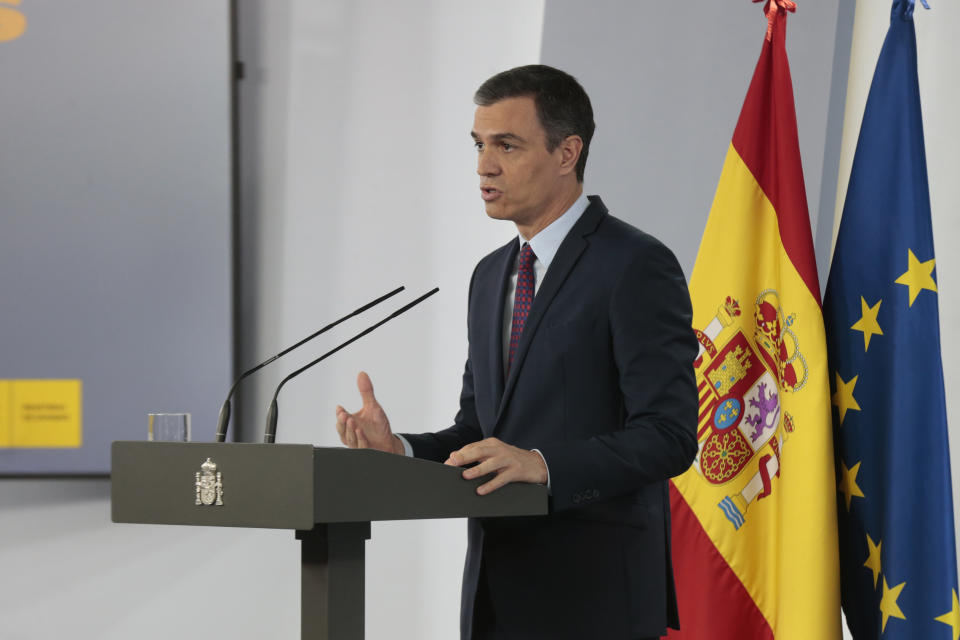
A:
{"x":754,"y":518}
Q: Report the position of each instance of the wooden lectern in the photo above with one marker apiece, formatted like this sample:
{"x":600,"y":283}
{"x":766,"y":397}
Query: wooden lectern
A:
{"x":328,"y":496}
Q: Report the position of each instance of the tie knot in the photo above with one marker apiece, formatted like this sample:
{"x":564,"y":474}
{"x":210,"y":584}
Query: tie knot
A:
{"x":526,"y":257}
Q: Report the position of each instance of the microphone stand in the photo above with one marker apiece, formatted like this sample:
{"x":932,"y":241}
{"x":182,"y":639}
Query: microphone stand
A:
{"x":223,"y":420}
{"x":270,"y":432}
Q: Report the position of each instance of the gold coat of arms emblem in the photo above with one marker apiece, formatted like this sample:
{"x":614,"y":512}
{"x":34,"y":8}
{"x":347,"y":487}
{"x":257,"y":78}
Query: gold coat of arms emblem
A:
{"x":742,"y":376}
{"x":208,"y":485}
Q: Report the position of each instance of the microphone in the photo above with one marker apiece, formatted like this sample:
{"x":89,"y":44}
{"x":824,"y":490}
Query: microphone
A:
{"x":223,"y":420}
{"x":271,"y":431}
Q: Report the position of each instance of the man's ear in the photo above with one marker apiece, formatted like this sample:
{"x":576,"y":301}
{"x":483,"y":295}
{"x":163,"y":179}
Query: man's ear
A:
{"x":570,"y":149}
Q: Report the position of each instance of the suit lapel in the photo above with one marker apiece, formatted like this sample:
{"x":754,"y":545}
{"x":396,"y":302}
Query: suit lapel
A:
{"x":495,"y":339}
{"x":563,"y":262}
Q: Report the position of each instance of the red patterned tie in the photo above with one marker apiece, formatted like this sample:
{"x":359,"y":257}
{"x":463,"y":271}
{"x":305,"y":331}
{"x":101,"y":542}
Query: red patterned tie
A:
{"x":522,"y":300}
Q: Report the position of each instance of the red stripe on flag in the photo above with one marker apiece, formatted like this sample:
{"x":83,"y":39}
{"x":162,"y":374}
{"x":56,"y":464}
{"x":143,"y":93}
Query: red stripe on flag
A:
{"x":766,"y":139}
{"x":713,"y":603}
{"x":706,"y":411}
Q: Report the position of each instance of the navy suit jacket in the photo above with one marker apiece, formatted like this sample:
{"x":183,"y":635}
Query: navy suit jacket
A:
{"x":603,"y":385}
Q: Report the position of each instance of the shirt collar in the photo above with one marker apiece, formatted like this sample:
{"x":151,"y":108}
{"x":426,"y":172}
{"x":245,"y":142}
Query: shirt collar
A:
{"x":546,"y":243}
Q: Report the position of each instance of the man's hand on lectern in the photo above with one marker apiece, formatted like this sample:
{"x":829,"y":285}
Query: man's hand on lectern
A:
{"x":369,"y":427}
{"x":511,"y":464}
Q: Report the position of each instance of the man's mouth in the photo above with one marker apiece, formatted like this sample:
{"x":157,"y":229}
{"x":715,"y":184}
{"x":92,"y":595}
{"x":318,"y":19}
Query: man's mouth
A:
{"x":489,"y":194}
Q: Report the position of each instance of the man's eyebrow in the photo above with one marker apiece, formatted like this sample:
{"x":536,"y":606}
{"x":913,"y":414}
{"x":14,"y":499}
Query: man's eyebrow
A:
{"x":499,"y":137}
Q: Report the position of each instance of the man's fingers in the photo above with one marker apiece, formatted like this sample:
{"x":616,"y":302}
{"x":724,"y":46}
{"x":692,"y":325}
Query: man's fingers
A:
{"x":487,"y":466}
{"x":509,"y":463}
{"x":462,"y":457}
{"x":341,"y":422}
{"x":502,"y":478}
{"x":361,"y":440}
{"x":365,"y":387}
{"x":351,"y":436}
{"x":472,"y":452}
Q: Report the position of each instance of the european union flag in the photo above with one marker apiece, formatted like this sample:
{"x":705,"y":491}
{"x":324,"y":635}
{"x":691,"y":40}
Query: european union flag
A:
{"x":897,"y":549}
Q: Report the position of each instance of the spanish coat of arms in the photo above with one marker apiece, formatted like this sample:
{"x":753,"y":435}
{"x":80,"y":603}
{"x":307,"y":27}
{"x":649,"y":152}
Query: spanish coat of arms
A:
{"x":740,"y":381}
{"x":208,"y":485}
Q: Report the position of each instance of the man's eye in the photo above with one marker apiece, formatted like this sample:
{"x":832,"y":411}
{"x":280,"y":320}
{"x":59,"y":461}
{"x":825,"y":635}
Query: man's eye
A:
{"x":506,"y":146}
{"x":478,"y":145}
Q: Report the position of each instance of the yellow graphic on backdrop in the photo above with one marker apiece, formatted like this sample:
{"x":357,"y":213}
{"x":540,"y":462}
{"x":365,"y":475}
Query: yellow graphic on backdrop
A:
{"x":12,"y":22}
{"x":41,"y":413}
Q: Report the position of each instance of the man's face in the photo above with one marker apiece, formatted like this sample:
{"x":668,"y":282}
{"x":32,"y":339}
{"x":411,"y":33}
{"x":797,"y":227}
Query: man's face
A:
{"x":518,"y":176}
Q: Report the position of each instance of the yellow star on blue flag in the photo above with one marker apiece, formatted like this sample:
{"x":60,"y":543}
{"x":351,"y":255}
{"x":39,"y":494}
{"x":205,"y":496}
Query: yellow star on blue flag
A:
{"x":868,"y":322}
{"x":918,"y":276}
{"x":952,"y":617}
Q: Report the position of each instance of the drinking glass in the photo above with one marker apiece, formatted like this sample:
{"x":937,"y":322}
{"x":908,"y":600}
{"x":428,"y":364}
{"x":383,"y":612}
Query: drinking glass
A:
{"x":168,"y":427}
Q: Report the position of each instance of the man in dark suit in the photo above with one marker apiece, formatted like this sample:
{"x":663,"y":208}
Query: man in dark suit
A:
{"x":579,"y":375}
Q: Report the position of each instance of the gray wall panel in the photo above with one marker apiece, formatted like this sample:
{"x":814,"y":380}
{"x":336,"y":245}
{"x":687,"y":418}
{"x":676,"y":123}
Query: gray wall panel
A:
{"x":115,"y":215}
{"x":667,"y":82}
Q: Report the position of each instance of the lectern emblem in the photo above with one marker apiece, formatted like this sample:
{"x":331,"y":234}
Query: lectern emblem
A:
{"x":209,"y":485}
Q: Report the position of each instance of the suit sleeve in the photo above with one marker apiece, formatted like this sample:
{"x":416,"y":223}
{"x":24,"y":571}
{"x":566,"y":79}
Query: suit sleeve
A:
{"x":653,"y":348}
{"x":466,"y":426}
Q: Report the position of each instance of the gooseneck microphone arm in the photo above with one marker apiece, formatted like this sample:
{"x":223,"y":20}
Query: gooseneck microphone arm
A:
{"x":223,"y":420}
{"x":270,"y":432}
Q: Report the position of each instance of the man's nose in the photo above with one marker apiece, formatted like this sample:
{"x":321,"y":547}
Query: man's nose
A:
{"x":487,"y":164}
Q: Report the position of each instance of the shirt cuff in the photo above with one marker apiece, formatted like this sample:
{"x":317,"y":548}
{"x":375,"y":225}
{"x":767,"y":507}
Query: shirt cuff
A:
{"x":544,"y":464}
{"x":408,"y":450}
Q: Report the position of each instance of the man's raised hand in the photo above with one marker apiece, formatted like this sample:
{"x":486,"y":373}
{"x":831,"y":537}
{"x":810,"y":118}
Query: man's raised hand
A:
{"x":369,"y":427}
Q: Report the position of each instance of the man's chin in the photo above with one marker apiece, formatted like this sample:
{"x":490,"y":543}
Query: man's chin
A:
{"x":495,"y":211}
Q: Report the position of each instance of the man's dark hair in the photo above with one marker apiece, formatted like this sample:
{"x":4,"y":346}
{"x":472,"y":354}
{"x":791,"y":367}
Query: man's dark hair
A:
{"x":563,"y":107}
